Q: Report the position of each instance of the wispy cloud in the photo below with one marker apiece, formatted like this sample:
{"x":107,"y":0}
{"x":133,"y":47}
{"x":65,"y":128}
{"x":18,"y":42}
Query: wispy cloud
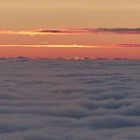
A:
{"x":74,"y":31}
{"x":93,"y":30}
{"x":120,"y":30}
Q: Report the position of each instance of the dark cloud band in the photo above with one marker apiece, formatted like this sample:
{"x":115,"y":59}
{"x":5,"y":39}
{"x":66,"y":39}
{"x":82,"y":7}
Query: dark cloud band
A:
{"x":93,"y":30}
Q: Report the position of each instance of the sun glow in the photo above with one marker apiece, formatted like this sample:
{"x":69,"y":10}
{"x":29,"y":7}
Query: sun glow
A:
{"x":53,"y":46}
{"x":30,"y":33}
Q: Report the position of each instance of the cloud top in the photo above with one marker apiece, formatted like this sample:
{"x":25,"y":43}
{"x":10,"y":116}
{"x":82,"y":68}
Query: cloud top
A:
{"x":59,"y":99}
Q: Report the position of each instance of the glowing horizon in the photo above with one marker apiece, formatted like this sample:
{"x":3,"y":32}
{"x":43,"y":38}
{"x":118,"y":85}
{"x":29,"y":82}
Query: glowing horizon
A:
{"x":72,"y":45}
{"x":71,"y":51}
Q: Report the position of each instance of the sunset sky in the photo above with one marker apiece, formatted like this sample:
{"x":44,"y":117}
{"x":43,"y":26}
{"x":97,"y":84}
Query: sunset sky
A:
{"x":70,"y":28}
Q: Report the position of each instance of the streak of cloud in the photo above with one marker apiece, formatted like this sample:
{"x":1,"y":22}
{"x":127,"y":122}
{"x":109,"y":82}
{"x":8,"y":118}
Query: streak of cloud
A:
{"x":92,"y":31}
{"x":73,"y":31}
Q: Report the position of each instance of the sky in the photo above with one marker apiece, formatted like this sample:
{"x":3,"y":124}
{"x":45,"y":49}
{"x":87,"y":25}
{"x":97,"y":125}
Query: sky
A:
{"x":28,"y":23}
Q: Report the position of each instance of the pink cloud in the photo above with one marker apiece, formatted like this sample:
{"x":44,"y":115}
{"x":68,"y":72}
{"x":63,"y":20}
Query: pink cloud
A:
{"x":74,"y":31}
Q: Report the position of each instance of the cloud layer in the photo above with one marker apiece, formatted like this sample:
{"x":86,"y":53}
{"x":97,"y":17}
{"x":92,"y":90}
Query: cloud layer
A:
{"x":46,"y":99}
{"x":74,"y":31}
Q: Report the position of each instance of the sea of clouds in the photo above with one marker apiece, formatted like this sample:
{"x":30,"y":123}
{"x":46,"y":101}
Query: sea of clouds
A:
{"x":58,"y":99}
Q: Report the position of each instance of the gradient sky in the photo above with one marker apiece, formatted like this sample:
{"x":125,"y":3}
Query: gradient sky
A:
{"x":73,"y":22}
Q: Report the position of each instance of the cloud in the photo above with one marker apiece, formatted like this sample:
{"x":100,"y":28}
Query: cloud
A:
{"x":119,"y":30}
{"x":60,"y":99}
{"x":74,"y":31}
{"x":93,"y":31}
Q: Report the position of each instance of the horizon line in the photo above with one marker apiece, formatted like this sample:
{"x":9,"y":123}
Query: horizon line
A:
{"x":69,"y":58}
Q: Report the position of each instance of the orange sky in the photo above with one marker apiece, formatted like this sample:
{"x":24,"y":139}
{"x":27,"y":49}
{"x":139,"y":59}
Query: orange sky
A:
{"x":75,"y":22}
{"x":101,"y":51}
